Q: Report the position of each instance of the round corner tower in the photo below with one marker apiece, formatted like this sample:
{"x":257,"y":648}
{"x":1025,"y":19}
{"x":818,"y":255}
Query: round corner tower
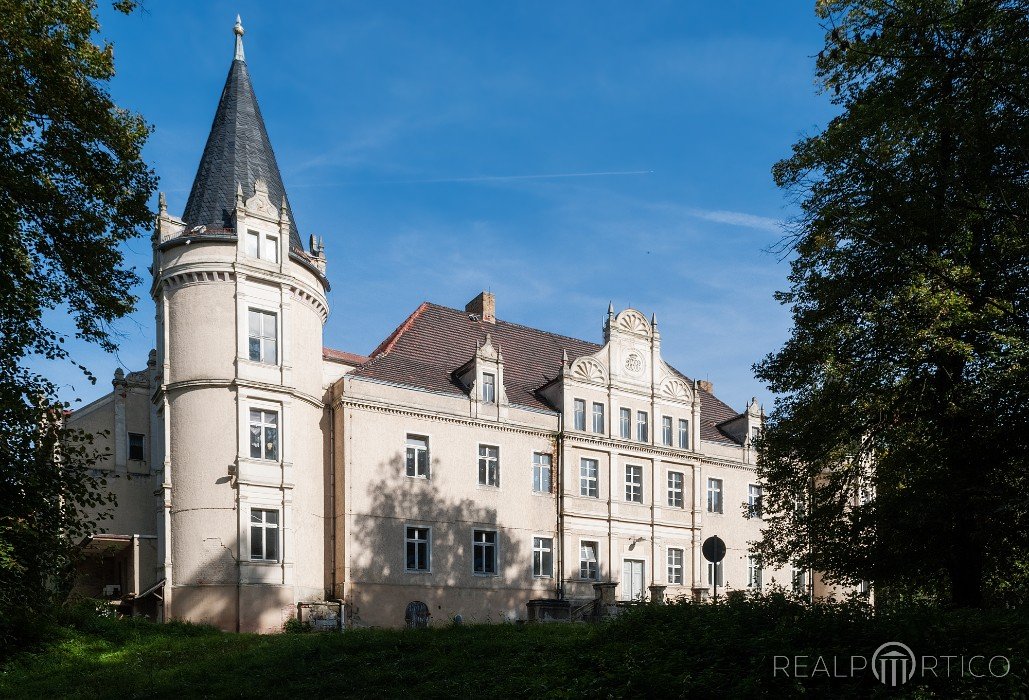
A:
{"x":240,"y":310}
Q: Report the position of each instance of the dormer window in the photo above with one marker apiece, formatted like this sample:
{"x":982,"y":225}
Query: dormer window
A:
{"x":489,"y":388}
{"x":263,"y":246}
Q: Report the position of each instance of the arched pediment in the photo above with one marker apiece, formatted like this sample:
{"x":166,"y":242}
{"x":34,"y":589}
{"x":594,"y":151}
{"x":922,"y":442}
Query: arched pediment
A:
{"x":589,"y":369}
{"x":676,"y":389}
{"x":632,"y":321}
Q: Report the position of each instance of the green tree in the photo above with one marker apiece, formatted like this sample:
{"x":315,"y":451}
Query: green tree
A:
{"x":73,"y":188}
{"x":905,"y":376}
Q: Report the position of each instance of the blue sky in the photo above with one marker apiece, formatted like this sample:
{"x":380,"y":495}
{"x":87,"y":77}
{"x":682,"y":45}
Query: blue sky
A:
{"x":559,"y":154}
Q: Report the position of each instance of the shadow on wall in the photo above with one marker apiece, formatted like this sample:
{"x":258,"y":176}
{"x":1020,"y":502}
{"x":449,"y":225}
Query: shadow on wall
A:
{"x":384,"y":581}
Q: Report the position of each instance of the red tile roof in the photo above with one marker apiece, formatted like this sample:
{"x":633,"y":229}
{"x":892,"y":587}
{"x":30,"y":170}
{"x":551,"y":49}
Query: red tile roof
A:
{"x":432,"y":342}
{"x":343,"y":356}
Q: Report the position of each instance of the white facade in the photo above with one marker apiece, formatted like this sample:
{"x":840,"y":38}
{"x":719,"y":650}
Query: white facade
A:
{"x":277,"y":472}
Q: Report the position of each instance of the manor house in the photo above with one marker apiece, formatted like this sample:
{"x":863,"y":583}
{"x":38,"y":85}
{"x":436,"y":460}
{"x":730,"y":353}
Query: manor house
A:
{"x":465,"y":466}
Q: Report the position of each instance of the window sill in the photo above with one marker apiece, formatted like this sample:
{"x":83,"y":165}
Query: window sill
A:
{"x":417,"y":572}
{"x":264,"y":562}
{"x":488,"y":487}
{"x":481,"y":575}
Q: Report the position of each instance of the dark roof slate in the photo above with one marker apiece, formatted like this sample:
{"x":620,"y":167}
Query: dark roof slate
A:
{"x":434,"y":341}
{"x":238,"y":151}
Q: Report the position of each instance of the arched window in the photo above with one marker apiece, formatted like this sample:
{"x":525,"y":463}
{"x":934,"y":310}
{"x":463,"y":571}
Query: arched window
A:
{"x":417,"y":614}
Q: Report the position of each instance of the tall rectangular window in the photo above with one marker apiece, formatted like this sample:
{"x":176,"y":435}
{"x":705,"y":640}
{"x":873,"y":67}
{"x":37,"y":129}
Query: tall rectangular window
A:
{"x":484,"y":552}
{"x":580,"y":414}
{"x":675,"y":560}
{"x":489,"y":465}
{"x":625,"y":423}
{"x":642,"y":426}
{"x":417,"y":549}
{"x":684,"y":434}
{"x":253,"y":244}
{"x":137,"y":444}
{"x":666,"y":430}
{"x":675,"y":489}
{"x":753,"y":572}
{"x":263,"y":337}
{"x":714,"y":495}
{"x":264,"y":535}
{"x":714,"y":574}
{"x":588,"y":478}
{"x":541,"y":472}
{"x":264,"y":434}
{"x":633,"y":483}
{"x":754,"y":501}
{"x":589,"y":567}
{"x":542,"y":557}
{"x":755,"y":432}
{"x":598,"y":418}
{"x":418,"y":456}
{"x":798,"y":577}
{"x":489,"y":388}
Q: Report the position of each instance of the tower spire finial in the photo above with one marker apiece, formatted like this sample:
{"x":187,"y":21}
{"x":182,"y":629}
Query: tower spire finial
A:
{"x":238,"y":31}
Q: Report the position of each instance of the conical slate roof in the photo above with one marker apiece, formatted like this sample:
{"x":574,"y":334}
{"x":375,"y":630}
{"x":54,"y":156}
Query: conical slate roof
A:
{"x":237,"y":152}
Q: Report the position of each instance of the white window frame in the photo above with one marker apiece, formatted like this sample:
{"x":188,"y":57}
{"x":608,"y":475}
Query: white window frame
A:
{"x":589,"y":485}
{"x":263,"y":425}
{"x":633,"y":485}
{"x":712,"y":569}
{"x":676,"y":569}
{"x":684,"y":434}
{"x":418,"y":471}
{"x":540,"y":551}
{"x":642,"y":426}
{"x":625,"y":423}
{"x":754,"y":576}
{"x":489,"y":387}
{"x":267,"y":345}
{"x":715,"y":495}
{"x":799,"y":580}
{"x":542,"y":466}
{"x":676,"y":493}
{"x":579,"y":414}
{"x":666,"y":430}
{"x":262,"y":245}
{"x":599,"y":422}
{"x":486,"y":547}
{"x":142,"y":446}
{"x":585,"y":563}
{"x":408,"y":541}
{"x":265,"y":527}
{"x":755,"y":504}
{"x":484,"y":470}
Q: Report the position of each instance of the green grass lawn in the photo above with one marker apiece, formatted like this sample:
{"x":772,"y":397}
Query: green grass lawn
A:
{"x":672,"y":651}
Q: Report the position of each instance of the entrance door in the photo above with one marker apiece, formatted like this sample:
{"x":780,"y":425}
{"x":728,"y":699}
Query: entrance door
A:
{"x":632,"y":579}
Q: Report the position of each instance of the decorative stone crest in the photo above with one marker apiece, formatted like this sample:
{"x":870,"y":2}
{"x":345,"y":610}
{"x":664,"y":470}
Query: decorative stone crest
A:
{"x":634,"y":363}
{"x":260,"y":204}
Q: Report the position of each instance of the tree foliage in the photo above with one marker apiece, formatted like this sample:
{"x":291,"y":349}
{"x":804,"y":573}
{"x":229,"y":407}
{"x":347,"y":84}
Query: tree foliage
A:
{"x":898,"y":452}
{"x":73,"y":188}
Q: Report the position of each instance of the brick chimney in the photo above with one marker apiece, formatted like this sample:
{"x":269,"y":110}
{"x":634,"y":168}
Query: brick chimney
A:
{"x":484,"y":306}
{"x":705,"y":385}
